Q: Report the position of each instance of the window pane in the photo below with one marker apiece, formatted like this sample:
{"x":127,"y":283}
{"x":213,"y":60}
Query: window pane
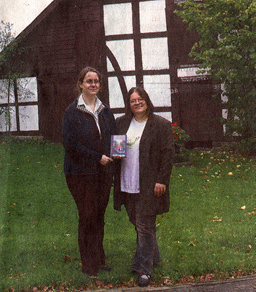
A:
{"x":28,"y":118}
{"x":115,"y":94}
{"x":158,"y":88}
{"x":166,"y":115}
{"x":118,"y":19}
{"x":4,"y":124}
{"x":116,"y":99}
{"x":155,"y":54}
{"x":4,"y":88}
{"x":130,"y":82}
{"x":27,"y":89}
{"x":152,"y":16}
{"x":124,"y":53}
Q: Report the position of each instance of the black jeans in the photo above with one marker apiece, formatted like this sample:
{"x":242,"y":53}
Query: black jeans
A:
{"x":91,"y":195}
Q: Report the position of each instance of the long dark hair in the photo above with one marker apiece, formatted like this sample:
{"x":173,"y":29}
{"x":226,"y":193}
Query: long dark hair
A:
{"x":143,"y":94}
{"x":82,"y":75}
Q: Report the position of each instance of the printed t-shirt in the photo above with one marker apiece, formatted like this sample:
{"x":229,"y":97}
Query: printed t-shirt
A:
{"x":130,"y":176}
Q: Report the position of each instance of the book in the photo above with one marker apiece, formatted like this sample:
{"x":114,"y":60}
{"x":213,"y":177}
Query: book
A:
{"x":118,"y":145}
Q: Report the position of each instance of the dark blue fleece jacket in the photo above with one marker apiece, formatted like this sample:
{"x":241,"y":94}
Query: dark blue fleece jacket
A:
{"x":84,"y":145}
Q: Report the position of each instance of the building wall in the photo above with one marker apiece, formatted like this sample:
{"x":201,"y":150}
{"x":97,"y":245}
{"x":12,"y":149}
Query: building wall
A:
{"x":194,"y":108}
{"x":68,"y":39}
{"x":71,"y":36}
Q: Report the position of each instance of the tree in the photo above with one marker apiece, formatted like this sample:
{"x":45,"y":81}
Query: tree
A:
{"x":7,"y":46}
{"x":10,"y":71}
{"x":226,"y":50}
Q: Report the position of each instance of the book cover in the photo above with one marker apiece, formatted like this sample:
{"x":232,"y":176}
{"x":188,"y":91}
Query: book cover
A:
{"x":118,"y":146}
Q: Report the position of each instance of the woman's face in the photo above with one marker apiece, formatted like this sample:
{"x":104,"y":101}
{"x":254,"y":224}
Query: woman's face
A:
{"x":137,"y":104}
{"x":91,"y":84}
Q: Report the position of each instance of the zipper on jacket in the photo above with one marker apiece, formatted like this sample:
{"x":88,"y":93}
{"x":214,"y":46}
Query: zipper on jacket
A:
{"x":83,"y":109}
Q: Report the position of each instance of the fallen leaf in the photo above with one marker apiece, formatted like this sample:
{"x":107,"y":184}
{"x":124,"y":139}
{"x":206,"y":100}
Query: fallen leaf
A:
{"x":216,"y":219}
{"x":250,"y":213}
{"x":67,"y":258}
{"x":243,"y":207}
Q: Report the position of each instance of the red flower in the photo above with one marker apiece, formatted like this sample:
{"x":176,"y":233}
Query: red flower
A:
{"x":179,"y":135}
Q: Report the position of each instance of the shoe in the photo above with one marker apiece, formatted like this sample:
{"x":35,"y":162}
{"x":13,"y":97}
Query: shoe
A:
{"x":105,"y":268}
{"x":144,"y":280}
{"x":90,"y":274}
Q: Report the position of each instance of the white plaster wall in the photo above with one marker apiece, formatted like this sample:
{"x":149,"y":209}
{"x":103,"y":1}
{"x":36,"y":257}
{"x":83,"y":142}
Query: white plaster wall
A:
{"x":152,"y":16}
{"x":118,"y":18}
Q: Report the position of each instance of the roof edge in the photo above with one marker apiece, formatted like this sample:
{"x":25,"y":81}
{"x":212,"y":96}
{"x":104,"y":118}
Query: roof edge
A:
{"x":39,"y":19}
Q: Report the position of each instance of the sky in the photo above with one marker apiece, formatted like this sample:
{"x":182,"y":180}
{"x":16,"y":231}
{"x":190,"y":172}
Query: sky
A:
{"x":21,"y":12}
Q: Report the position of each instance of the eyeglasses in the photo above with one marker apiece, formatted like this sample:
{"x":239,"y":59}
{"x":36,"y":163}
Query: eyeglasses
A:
{"x":90,"y":81}
{"x":139,"y":100}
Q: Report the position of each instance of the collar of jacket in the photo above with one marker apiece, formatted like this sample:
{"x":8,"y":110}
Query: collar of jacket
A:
{"x":84,"y":109}
{"x":127,"y":122}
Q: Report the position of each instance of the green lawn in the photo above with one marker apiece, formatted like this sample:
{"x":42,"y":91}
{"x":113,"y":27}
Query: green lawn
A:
{"x":208,"y":231}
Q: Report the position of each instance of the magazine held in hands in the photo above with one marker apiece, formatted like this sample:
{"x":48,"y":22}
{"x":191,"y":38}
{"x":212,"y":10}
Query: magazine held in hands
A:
{"x":118,"y":146}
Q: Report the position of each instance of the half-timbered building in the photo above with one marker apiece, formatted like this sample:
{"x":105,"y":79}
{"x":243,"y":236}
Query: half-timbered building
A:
{"x":134,"y":42}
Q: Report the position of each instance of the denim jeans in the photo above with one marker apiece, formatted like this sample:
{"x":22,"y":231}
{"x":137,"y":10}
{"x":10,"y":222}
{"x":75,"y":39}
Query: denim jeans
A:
{"x":147,"y":251}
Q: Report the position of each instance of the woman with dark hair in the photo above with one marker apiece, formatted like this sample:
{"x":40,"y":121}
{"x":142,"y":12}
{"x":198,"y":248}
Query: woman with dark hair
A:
{"x":142,"y":178}
{"x":143,"y":96}
{"x":87,"y":128}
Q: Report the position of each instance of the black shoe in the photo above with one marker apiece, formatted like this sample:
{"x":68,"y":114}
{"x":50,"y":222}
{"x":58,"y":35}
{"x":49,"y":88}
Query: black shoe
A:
{"x":144,"y":280}
{"x":90,"y":274}
{"x":105,"y":268}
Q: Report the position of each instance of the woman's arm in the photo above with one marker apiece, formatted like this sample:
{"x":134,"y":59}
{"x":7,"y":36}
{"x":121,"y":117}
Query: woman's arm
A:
{"x":166,"y":148}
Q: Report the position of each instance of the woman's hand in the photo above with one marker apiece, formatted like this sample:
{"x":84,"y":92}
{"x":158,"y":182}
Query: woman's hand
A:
{"x":159,"y":189}
{"x":105,"y":160}
{"x":117,"y":157}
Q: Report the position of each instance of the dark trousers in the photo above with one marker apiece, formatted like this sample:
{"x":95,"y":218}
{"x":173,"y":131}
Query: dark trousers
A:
{"x":91,"y":195}
{"x":147,"y":251}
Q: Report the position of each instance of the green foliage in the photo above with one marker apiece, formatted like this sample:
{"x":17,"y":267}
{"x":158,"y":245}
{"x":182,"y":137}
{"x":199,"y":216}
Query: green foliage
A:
{"x":179,"y":135}
{"x":226,"y":50}
{"x":6,"y":36}
{"x":208,"y":230}
{"x":8,"y":51}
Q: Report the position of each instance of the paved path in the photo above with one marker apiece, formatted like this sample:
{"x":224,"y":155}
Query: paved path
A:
{"x":243,"y":284}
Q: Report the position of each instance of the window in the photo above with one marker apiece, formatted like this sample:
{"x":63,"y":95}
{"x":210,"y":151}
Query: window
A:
{"x":137,"y":52}
{"x":19,"y":105}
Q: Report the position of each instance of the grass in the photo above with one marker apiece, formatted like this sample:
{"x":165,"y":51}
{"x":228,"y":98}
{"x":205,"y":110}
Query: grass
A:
{"x":208,"y":230}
